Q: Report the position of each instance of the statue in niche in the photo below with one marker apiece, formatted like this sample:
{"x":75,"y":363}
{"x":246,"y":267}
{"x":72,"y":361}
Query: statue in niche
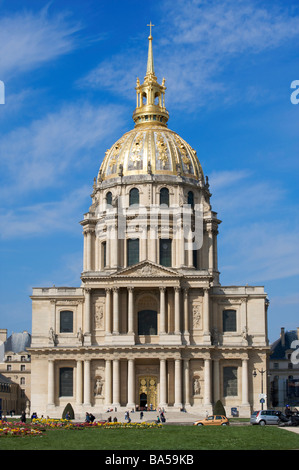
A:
{"x":98,"y":388}
{"x":52,"y":337}
{"x":215,"y":337}
{"x":80,"y":336}
{"x":196,"y":386}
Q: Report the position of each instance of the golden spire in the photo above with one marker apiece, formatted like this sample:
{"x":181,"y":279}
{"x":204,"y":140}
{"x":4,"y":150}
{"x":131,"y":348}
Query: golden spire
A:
{"x":150,"y":107}
{"x":150,"y":57}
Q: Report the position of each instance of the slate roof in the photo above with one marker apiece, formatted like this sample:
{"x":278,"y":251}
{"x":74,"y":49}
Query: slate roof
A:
{"x":278,"y":350}
{"x":18,"y":342}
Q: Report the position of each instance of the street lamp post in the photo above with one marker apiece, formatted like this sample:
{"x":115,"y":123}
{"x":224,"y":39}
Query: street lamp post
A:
{"x":262,"y":371}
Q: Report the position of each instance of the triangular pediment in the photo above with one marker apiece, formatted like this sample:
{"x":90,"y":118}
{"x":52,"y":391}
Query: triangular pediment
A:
{"x":147,"y":269}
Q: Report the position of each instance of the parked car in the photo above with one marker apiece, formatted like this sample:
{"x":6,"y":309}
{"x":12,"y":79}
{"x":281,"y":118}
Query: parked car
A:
{"x":214,"y":420}
{"x":263,"y":417}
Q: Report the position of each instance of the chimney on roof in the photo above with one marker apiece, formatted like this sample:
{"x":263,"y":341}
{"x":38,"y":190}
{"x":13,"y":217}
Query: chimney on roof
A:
{"x":282,"y":337}
{"x":3,"y":335}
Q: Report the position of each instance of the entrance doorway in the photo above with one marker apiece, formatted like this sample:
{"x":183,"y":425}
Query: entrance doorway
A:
{"x":148,"y":392}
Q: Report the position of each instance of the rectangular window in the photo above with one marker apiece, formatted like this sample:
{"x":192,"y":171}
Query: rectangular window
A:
{"x":66,"y":321}
{"x":165,"y":252}
{"x":229,"y":320}
{"x":66,"y":382}
{"x":133,"y":251}
{"x":230,"y":381}
{"x":104,"y":254}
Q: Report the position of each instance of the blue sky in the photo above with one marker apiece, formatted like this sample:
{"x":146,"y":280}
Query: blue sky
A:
{"x":70,"y":68}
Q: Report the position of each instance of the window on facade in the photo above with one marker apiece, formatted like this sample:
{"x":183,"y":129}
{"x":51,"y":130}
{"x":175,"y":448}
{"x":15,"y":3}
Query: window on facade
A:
{"x":165,"y":252}
{"x":164,"y":196}
{"x":190,"y":199}
{"x":195,"y":262}
{"x":66,"y":321}
{"x":22,"y":381}
{"x":66,"y":382}
{"x":133,"y":196}
{"x":109,"y":198}
{"x":147,"y":322}
{"x":104,"y":254}
{"x":229,"y":320}
{"x":230,"y":381}
{"x":132,"y":251}
{"x":23,"y":368}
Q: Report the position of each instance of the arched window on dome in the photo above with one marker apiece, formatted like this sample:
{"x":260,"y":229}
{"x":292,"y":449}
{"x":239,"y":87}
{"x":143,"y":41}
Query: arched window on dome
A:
{"x":164,"y":196}
{"x":109,"y":198}
{"x":133,"y":197}
{"x":190,"y":199}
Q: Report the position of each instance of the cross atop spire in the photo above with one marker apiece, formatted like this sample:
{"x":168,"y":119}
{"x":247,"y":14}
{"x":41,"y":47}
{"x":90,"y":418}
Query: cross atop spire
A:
{"x":150,"y":26}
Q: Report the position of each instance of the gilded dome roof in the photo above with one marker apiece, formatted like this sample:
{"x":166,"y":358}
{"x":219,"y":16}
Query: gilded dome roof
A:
{"x":151,"y":148}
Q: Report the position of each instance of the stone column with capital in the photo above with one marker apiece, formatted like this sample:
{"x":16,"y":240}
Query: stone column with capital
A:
{"x":130,"y":310}
{"x":207,"y":382}
{"x":206,"y":316}
{"x":79,"y":384}
{"x":131,"y":384}
{"x":51,"y":382}
{"x":163,"y":383}
{"x":116,"y":383}
{"x":108,"y":311}
{"x":87,"y":384}
{"x":108,"y":382}
{"x":186,"y":382}
{"x":245,"y":382}
{"x":177,"y":322}
{"x":162,"y":310}
{"x":178,"y":383}
{"x":115,"y":310}
{"x":87,"y":319}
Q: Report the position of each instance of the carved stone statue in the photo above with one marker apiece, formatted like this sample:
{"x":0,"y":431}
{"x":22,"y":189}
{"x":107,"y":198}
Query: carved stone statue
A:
{"x":98,"y":386}
{"x":52,"y":337}
{"x":196,"y":386}
{"x":80,"y":336}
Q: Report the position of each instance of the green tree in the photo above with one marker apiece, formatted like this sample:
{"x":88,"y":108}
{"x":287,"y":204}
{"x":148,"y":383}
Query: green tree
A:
{"x":219,"y":408}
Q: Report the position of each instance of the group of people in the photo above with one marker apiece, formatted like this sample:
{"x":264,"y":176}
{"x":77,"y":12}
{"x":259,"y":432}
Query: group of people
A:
{"x":161,"y":417}
{"x":89,"y":418}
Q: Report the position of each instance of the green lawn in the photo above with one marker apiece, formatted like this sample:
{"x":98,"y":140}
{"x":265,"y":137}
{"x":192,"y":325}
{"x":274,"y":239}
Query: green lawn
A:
{"x":169,"y":437}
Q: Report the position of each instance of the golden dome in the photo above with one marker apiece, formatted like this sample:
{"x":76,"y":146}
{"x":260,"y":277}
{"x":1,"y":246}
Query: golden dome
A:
{"x":150,"y":148}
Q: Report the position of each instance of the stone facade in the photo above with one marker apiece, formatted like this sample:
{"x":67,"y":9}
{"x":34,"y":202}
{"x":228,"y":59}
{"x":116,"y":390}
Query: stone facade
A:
{"x":148,"y":327}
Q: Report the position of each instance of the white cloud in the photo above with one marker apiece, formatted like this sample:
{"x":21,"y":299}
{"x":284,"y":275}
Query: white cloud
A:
{"x":194,"y":42}
{"x":38,"y":156}
{"x":30,"y":39}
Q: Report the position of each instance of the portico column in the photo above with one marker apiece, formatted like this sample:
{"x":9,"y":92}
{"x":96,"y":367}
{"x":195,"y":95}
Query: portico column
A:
{"x":207,"y":382}
{"x":108,"y":311}
{"x":162,"y":310}
{"x":178,"y":383}
{"x":87,"y":311}
{"x":186,"y":311}
{"x":216,"y":380}
{"x":88,"y":250}
{"x":186,"y":382}
{"x":206,"y":314}
{"x":130,"y":311}
{"x":87,"y":382}
{"x":51,"y":364}
{"x":116,"y":384}
{"x":108,"y":377}
{"x":115,"y":310}
{"x":163,"y":381}
{"x":79,"y":388}
{"x":131,"y":383}
{"x":245,"y":381}
{"x":177,"y":326}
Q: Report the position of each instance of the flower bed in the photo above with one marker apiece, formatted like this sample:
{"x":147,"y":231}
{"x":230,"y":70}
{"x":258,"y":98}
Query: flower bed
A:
{"x":18,"y":430}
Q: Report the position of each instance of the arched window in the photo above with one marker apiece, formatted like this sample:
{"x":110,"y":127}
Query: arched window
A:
{"x":229,"y":320}
{"x":165,"y":252}
{"x":230,"y":381}
{"x":164,"y":196}
{"x":147,"y":322}
{"x":132,"y":251}
{"x":190,"y":199}
{"x":66,"y":321}
{"x":109,"y":198}
{"x":133,"y":196}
